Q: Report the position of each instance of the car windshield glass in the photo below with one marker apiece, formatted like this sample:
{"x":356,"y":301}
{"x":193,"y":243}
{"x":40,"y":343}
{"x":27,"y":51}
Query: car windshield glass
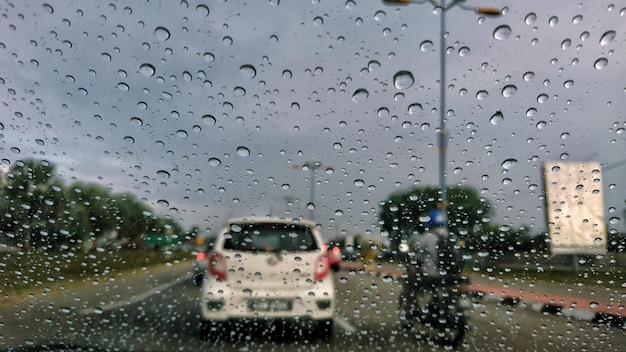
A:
{"x":270,"y":238}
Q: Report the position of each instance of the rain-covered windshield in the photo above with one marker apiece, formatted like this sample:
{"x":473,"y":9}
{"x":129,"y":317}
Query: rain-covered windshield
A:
{"x":132,"y":133}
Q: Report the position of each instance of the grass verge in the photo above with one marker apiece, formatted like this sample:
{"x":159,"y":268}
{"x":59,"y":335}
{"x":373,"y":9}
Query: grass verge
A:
{"x":24,"y":270}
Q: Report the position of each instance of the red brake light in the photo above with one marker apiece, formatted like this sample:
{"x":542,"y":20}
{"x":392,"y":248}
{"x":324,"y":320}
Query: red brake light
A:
{"x":322,"y":267}
{"x":201,"y":256}
{"x":217,"y":266}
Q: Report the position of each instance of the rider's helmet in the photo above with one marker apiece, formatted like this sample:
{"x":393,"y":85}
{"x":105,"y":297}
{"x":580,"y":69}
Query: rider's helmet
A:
{"x":436,"y":218}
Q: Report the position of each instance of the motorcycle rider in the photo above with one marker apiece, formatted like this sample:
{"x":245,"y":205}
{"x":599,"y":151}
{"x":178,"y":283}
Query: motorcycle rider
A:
{"x":434,"y":261}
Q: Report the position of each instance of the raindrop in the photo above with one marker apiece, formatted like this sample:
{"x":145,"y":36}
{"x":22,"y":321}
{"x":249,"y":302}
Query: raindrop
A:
{"x":541,"y":125}
{"x":482,"y":95}
{"x":502,"y":32}
{"x":577,"y":19}
{"x":208,"y":120}
{"x":568,"y":84}
{"x":123,"y":87}
{"x":531,"y":112}
{"x":247,"y":71}
{"x":566,"y":44}
{"x":415,"y":108}
{"x":164,"y":203}
{"x":530,"y":18}
{"x":359,"y":183}
{"x":508,"y":164}
{"x":464,"y":51}
{"x":614,"y":220}
{"x":48,"y":8}
{"x":181,"y":133}
{"x":163,"y":174}
{"x":162,"y":33}
{"x":147,"y":70}
{"x":287,"y":74}
{"x":403,"y":80}
{"x":509,"y":90}
{"x":496,"y":118}
{"x":380,"y":15}
{"x":136,"y":121}
{"x":360,"y":95}
{"x":129,"y":139}
{"x":601,"y":63}
{"x":426,"y":45}
{"x":529,"y":76}
{"x":243,"y":151}
{"x":553,"y":21}
{"x":208,"y":57}
{"x":202,"y":10}
{"x":607,"y":37}
{"x":542,"y":98}
{"x":318,"y":21}
{"x":214,"y":161}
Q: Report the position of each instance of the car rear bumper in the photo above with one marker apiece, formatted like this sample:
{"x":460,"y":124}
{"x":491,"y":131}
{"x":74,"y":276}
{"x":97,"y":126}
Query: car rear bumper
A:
{"x":221,"y":303}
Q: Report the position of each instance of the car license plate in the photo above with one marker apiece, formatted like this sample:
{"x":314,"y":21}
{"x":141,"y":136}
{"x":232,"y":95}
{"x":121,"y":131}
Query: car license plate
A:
{"x":270,"y":305}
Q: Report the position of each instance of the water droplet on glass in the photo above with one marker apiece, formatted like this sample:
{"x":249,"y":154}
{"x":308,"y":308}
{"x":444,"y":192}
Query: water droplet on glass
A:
{"x":243,"y":151}
{"x":359,"y":183}
{"x":202,"y":10}
{"x":464,"y":51}
{"x":182,"y":133}
{"x":502,"y":32}
{"x":48,"y":8}
{"x":426,"y":45}
{"x":208,"y":57}
{"x":147,"y":70}
{"x":531,"y":112}
{"x":360,"y":95}
{"x":614,"y":220}
{"x":136,"y":121}
{"x":247,"y":71}
{"x":318,"y":21}
{"x":415,"y":108}
{"x":164,"y":203}
{"x":528,"y":76}
{"x":214,"y":161}
{"x":607,"y":37}
{"x":566,"y":44}
{"x":403,"y":80}
{"x":542,"y":98}
{"x":601,"y":63}
{"x":482,"y":95}
{"x":553,"y":21}
{"x":509,"y":90}
{"x":380,"y":15}
{"x":287,"y":74}
{"x":162,"y":33}
{"x":163,"y":174}
{"x":541,"y":125}
{"x":530,"y":18}
{"x":568,"y":84}
{"x":208,"y":120}
{"x":496,"y":118}
{"x":508,"y":164}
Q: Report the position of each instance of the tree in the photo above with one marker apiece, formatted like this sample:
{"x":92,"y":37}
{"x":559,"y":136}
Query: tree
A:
{"x":403,"y":213}
{"x":31,"y":203}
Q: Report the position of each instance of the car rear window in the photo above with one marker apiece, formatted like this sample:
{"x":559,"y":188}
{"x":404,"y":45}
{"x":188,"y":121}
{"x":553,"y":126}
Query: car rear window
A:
{"x":270,"y":237}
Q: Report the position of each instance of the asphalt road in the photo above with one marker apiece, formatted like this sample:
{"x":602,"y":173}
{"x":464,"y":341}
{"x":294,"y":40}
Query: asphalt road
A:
{"x":157,"y":310}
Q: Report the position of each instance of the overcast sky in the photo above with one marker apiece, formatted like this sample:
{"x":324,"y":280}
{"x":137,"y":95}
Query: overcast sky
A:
{"x":204,"y":108}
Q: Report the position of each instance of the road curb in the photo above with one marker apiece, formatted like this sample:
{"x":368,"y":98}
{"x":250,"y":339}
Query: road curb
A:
{"x":573,"y":307}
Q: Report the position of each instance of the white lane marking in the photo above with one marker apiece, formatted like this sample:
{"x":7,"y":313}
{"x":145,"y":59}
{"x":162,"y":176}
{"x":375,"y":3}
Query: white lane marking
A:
{"x":345,"y":325}
{"x":134,"y":299}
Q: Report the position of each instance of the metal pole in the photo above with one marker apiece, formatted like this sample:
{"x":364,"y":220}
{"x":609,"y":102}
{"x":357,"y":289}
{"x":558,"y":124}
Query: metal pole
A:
{"x":442,"y":109}
{"x":313,"y":166}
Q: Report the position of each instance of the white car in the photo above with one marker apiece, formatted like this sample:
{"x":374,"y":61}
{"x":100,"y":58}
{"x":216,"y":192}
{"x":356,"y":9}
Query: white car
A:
{"x":268,"y":270}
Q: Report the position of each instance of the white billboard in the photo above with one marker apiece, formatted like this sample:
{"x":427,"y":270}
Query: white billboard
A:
{"x":575,"y":207}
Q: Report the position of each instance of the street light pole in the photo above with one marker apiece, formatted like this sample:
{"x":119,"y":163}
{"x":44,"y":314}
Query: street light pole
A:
{"x":442,"y":140}
{"x":312,"y":166}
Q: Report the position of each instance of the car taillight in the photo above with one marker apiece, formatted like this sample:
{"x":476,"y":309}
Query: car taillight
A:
{"x":201,"y":256}
{"x":322,"y":267}
{"x":336,"y":250}
{"x":217,"y":266}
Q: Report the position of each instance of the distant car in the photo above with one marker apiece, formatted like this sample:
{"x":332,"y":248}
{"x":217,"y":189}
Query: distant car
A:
{"x":266,"y":269}
{"x":201,"y":264}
